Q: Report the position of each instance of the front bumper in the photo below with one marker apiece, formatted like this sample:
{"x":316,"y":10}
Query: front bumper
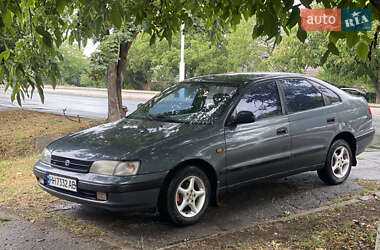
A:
{"x":123,"y":193}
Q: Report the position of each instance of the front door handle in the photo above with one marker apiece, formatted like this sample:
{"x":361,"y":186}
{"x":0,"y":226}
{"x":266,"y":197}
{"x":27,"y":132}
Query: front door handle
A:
{"x":330,"y":120}
{"x":282,"y":131}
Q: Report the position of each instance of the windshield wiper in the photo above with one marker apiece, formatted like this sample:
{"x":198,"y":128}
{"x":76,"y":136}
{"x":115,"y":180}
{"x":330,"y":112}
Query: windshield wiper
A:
{"x":164,"y":118}
{"x":150,"y":116}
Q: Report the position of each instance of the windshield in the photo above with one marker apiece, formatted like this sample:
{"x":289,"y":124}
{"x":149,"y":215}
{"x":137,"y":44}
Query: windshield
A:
{"x":188,"y":102}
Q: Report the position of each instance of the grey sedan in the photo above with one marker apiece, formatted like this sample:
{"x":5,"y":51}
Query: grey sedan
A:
{"x":206,"y":136}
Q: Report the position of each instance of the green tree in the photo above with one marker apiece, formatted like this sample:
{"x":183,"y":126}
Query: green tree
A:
{"x":139,"y":67}
{"x":348,"y":67}
{"x":345,"y":69}
{"x":292,"y":55}
{"x":74,"y":64}
{"x":30,"y":36}
{"x":159,"y":62}
{"x":244,"y":53}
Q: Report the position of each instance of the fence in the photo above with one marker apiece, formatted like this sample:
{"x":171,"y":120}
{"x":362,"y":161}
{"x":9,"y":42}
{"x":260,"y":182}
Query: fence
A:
{"x":370,"y":97}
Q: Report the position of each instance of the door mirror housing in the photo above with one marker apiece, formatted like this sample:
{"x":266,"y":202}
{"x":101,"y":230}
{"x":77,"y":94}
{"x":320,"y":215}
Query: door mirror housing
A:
{"x":244,"y":117}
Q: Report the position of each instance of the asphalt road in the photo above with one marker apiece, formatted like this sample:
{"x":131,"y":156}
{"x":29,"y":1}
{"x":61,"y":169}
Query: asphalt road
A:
{"x":376,"y":124}
{"x":89,"y":107}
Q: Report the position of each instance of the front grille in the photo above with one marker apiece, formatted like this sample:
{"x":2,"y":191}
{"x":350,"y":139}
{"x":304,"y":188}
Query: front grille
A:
{"x":73,"y":164}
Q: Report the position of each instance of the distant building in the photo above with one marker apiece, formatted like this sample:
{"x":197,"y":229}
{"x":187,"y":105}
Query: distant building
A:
{"x":309,"y":71}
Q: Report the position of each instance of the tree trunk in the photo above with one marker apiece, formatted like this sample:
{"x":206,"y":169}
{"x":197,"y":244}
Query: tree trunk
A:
{"x":376,"y":3}
{"x":377,"y":89}
{"x":115,"y":103}
{"x":376,"y":83}
{"x":115,"y":78}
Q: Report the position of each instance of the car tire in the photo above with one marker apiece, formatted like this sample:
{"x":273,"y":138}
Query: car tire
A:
{"x":187,"y":196}
{"x":338,"y":163}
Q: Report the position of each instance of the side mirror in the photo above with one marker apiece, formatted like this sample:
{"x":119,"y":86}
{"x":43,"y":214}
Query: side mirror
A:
{"x":244,"y":117}
{"x":139,"y":105}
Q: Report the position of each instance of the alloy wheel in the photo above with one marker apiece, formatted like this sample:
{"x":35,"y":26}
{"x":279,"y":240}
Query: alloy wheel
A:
{"x":190,"y":196}
{"x":340,"y":162}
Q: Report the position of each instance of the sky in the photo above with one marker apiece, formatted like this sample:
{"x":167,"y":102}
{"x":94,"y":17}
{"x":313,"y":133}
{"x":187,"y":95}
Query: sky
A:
{"x":90,"y":47}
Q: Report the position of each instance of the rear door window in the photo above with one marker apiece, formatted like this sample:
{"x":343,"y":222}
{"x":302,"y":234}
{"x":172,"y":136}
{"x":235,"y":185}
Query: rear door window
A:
{"x":301,"y":95}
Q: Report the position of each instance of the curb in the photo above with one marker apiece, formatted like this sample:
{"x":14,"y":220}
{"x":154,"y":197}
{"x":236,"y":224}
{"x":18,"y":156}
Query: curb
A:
{"x":58,"y":87}
{"x":102,"y":89}
{"x":377,"y":244}
{"x":374,"y":147}
{"x":138,"y":95}
{"x":284,"y":219}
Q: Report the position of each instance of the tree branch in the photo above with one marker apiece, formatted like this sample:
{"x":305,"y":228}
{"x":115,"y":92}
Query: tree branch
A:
{"x":376,"y":3}
{"x":124,"y":48}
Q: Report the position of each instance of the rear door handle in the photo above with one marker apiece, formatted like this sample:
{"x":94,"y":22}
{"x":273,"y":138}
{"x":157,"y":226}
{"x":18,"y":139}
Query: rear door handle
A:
{"x":331,"y":120}
{"x":282,"y":131}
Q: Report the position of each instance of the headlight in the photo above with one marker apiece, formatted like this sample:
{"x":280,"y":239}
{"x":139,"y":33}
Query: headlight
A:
{"x":46,"y":156}
{"x":115,"y":168}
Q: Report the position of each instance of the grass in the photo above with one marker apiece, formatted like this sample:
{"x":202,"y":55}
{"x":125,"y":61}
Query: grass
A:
{"x":78,"y":227}
{"x":19,"y":130}
{"x":350,"y":233}
{"x":370,"y":187}
{"x":3,"y":220}
{"x":19,"y":191}
{"x":18,"y":187}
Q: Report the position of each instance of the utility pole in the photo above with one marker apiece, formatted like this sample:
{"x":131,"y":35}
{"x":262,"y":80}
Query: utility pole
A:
{"x":182,"y":62}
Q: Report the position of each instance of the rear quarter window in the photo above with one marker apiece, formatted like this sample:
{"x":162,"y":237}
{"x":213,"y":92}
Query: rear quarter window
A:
{"x":329,"y":94}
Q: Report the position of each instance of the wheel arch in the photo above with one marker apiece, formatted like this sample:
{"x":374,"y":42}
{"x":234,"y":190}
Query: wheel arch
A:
{"x":205,"y":166}
{"x":351,"y":140}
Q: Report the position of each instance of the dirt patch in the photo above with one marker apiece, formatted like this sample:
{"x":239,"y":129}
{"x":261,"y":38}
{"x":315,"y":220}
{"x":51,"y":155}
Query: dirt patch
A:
{"x":78,"y":227}
{"x":349,"y":227}
{"x":20,"y":128}
{"x":370,"y":187}
{"x":4,"y":220}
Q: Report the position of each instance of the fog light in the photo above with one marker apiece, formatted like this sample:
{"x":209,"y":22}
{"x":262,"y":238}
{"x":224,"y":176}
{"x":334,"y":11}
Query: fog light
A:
{"x":41,"y":181}
{"x":101,"y":196}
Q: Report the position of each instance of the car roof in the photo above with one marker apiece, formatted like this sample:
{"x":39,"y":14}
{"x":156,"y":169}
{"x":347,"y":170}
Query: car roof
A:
{"x":240,"y":78}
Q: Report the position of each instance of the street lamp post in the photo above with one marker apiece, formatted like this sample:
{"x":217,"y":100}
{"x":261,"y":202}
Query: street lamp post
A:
{"x":182,"y":62}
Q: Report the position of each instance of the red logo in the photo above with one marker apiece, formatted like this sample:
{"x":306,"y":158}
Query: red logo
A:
{"x":321,"y":19}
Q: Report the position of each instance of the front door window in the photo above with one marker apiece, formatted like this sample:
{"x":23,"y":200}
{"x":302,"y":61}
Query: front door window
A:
{"x":262,"y":100}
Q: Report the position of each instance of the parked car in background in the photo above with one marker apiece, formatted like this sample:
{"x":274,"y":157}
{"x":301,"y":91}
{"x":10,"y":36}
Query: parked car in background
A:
{"x":203,"y":137}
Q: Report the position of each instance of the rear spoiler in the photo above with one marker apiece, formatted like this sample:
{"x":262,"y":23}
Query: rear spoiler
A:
{"x":354,"y":91}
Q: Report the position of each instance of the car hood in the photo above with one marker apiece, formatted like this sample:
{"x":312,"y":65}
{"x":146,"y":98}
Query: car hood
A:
{"x":121,"y":140}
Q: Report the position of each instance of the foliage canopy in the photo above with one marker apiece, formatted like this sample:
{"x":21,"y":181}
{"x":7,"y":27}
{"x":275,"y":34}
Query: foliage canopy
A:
{"x":32,"y":30}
